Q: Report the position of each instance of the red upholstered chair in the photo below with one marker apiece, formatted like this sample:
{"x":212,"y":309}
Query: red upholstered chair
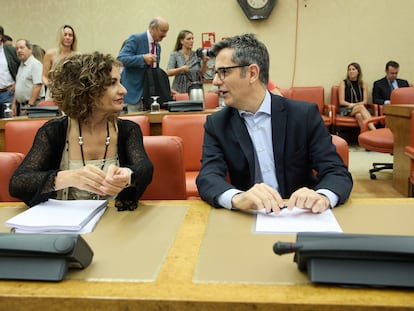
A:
{"x":379,"y":140}
{"x":211,"y":100}
{"x":19,"y":135}
{"x":382,"y":139}
{"x":342,"y":148}
{"x":344,"y":121}
{"x":9,"y":161}
{"x":168,"y":180}
{"x":316,"y":95}
{"x":181,"y":96}
{"x":409,"y":151}
{"x":286,"y":92}
{"x":46,"y":103}
{"x":141,"y":120}
{"x":190,"y":128}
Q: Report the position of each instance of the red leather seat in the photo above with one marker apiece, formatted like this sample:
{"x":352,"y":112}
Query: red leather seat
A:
{"x":211,"y":100}
{"x":168,"y":180}
{"x":9,"y":162}
{"x":342,"y":148}
{"x":19,"y":135}
{"x":46,"y":103}
{"x":141,"y":120}
{"x":190,"y":128}
{"x":315,"y":95}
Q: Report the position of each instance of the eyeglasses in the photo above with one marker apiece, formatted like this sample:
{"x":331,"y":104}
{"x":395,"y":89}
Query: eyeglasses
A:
{"x":221,"y":71}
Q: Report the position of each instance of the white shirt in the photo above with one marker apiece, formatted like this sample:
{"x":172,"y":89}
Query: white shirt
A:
{"x":28,"y":75}
{"x":260,"y":130}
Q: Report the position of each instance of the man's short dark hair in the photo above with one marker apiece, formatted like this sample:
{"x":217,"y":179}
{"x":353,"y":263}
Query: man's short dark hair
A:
{"x":392,"y":63}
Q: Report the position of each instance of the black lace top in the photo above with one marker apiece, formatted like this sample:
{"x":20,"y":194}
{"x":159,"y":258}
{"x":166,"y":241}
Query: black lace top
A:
{"x":34,"y":180}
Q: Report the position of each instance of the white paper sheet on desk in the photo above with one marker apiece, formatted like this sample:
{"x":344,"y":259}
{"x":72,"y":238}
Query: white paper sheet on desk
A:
{"x":297,"y":220}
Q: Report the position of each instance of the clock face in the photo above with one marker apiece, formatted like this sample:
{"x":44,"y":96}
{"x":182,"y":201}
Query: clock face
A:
{"x":257,"y":4}
{"x":257,"y":9}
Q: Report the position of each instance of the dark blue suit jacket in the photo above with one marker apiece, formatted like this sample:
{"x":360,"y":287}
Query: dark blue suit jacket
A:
{"x":382,"y":90}
{"x":301,"y":144}
{"x":132,"y":57}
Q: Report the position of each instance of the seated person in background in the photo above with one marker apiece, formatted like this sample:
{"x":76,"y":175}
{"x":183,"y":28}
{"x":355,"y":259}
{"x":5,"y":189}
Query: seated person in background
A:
{"x":381,"y":92}
{"x":262,"y":148}
{"x":89,"y":153}
{"x":353,"y":95}
{"x":184,"y":63}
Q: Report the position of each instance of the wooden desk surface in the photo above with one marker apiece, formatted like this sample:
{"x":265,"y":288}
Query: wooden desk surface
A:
{"x":154,"y":118}
{"x":174,"y":288}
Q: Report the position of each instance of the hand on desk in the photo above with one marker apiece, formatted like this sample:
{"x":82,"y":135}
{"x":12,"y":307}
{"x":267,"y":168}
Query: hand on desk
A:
{"x":262,"y":196}
{"x":91,"y":178}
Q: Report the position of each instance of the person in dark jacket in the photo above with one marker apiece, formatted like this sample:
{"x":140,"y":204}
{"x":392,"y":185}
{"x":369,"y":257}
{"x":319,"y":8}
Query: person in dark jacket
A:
{"x":9,"y":64}
{"x":89,"y":153}
{"x":262,"y":149}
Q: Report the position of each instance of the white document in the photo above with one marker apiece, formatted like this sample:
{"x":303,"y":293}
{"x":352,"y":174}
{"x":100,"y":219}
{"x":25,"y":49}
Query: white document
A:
{"x":297,"y":220}
{"x":59,"y":216}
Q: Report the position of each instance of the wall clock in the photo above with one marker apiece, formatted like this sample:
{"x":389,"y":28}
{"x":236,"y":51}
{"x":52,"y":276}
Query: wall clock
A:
{"x":257,"y":9}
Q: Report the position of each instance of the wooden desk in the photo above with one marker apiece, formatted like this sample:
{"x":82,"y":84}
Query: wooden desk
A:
{"x":398,"y":120}
{"x":155,"y":121}
{"x":174,"y":288}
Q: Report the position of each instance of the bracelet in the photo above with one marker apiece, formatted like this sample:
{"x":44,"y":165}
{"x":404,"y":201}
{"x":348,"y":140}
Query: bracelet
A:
{"x":131,"y":178}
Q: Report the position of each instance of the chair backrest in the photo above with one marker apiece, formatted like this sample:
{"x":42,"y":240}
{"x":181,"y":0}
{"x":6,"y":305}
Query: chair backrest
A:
{"x":168,"y":180}
{"x":402,"y":96}
{"x":46,"y":103}
{"x":286,"y":92}
{"x":9,"y":161}
{"x":342,"y":148}
{"x":19,"y":135}
{"x":181,"y":96}
{"x":335,"y":97}
{"x":211,"y":100}
{"x":311,"y":94}
{"x":141,"y":120}
{"x":190,"y":127}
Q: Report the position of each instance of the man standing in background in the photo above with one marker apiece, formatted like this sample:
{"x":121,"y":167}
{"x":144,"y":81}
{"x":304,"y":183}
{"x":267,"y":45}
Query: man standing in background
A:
{"x":9,"y":63}
{"x":141,"y":51}
{"x":29,"y":89}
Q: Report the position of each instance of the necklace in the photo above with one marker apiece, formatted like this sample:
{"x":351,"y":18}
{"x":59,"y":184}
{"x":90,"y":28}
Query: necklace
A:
{"x":107,"y":142}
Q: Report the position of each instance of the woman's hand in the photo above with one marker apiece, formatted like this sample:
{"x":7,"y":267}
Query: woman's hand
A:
{"x":116,"y":179}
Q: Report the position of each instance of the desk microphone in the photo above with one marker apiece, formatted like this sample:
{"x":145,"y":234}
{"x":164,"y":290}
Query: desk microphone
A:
{"x":281,"y":248}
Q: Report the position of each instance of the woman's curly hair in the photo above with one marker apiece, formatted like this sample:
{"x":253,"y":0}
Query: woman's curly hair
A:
{"x":79,"y":81}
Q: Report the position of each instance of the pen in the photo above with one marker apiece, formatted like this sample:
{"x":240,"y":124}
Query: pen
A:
{"x":283,"y":207}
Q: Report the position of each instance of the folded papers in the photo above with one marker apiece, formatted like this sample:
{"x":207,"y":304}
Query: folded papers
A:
{"x":54,"y":216}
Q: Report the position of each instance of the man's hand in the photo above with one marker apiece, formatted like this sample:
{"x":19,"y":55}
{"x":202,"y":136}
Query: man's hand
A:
{"x":258,"y":197}
{"x":308,"y":199}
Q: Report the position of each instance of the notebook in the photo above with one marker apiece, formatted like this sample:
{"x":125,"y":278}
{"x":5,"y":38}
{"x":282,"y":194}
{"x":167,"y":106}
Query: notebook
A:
{"x":59,"y":216}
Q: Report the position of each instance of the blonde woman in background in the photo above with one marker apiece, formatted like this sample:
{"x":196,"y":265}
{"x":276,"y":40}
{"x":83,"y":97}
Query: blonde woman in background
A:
{"x":67,"y":45}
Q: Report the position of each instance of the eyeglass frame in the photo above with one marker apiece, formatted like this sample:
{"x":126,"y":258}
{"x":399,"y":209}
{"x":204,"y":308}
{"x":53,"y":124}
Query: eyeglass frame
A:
{"x":222,"y":70}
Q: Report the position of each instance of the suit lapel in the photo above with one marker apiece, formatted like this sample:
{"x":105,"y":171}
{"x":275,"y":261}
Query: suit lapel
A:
{"x":279,"y":121}
{"x":243,"y":138}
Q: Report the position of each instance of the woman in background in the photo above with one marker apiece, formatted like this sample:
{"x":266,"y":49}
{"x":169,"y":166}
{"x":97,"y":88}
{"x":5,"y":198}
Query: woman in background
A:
{"x":89,"y":153}
{"x":67,"y":45}
{"x":184,"y":63}
{"x":353,"y":95}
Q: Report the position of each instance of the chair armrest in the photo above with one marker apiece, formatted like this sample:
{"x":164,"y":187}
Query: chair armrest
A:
{"x":375,"y":108}
{"x":365,"y":123}
{"x":409,"y":151}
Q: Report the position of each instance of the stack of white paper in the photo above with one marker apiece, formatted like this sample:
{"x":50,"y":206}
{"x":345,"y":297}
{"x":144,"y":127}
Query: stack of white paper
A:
{"x":77,"y":216}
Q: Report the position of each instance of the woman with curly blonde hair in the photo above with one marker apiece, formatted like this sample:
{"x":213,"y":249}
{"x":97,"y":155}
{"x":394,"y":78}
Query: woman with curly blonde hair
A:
{"x":89,"y":153}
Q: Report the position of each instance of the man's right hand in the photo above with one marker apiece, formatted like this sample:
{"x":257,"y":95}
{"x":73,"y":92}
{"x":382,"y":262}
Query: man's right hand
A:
{"x":258,"y":197}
